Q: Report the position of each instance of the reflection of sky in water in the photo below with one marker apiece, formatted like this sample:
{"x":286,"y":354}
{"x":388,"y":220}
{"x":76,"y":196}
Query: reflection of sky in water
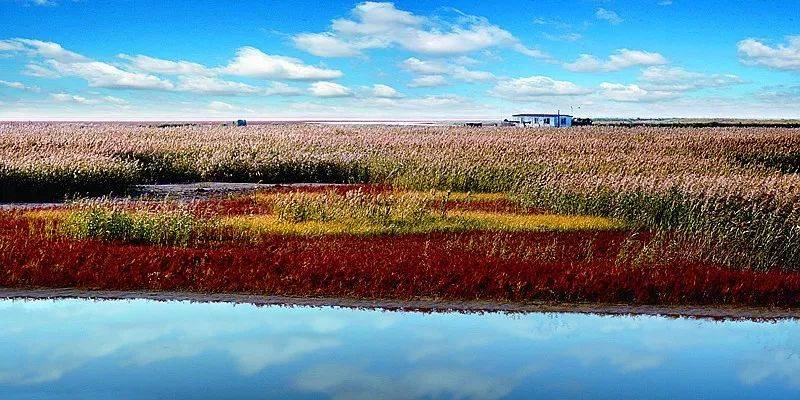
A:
{"x":144,"y":349}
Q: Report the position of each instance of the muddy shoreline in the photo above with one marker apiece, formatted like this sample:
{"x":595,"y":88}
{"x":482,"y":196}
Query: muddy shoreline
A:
{"x":419,"y":305}
{"x":181,"y":192}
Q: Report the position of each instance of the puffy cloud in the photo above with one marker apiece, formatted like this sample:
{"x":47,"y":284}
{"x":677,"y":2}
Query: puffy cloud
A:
{"x":606,"y":15}
{"x":210,"y":85}
{"x":100,"y":74}
{"x":679,"y":79}
{"x":11,"y":45}
{"x":142,"y":72}
{"x":435,"y":71}
{"x":425,"y":67}
{"x":633,"y":93}
{"x":783,"y":56}
{"x":39,"y":48}
{"x":161,"y":66}
{"x":62,"y":62}
{"x":475,"y":37}
{"x":252,"y":62}
{"x":428,"y":81}
{"x":467,"y":75}
{"x":329,"y":89}
{"x":384,"y":91}
{"x":375,"y":25}
{"x":536,"y":86}
{"x":325,"y":45}
{"x":623,"y":58}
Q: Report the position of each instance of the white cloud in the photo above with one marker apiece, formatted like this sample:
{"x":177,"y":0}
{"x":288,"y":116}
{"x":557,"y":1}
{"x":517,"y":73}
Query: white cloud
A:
{"x":39,"y":71}
{"x":329,"y":89}
{"x":142,"y":72}
{"x":325,"y":45}
{"x":115,"y":100}
{"x":374,"y":25}
{"x":779,"y":94}
{"x":414,"y":64}
{"x":783,"y":56}
{"x":252,"y":62}
{"x":633,"y":93}
{"x":221,"y":106}
{"x":464,"y":60}
{"x":39,"y":48}
{"x":564,"y":37}
{"x":536,"y":86}
{"x":18,"y":85}
{"x":161,"y":66}
{"x":428,"y":81}
{"x":62,"y":62}
{"x":385,"y":91}
{"x":607,"y":15}
{"x":100,"y":74}
{"x":679,"y":79}
{"x":63,"y":97}
{"x":11,"y":45}
{"x":282,"y":89}
{"x":468,"y":39}
{"x":210,"y":85}
{"x":467,"y":75}
{"x":436,"y":69}
{"x":621,"y":59}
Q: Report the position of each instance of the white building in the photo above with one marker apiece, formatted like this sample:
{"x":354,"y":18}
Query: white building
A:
{"x":541,"y":120}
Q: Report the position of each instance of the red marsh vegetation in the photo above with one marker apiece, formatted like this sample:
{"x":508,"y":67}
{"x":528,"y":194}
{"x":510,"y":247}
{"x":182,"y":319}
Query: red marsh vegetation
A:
{"x":370,"y":243}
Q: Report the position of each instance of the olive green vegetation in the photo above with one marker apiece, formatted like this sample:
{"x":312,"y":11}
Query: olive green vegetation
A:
{"x":354,"y":212}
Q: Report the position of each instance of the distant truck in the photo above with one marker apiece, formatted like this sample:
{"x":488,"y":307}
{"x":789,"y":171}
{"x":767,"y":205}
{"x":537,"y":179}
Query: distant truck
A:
{"x":582,"y":121}
{"x":240,"y":122}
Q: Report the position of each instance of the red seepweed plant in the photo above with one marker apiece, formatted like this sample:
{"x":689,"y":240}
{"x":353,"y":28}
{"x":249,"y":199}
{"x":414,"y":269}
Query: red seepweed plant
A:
{"x":582,"y":266}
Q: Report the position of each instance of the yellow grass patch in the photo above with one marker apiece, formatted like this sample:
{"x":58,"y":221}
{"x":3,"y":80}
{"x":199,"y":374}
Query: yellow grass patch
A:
{"x":453,"y":222}
{"x":47,"y":215}
{"x":537,"y":222}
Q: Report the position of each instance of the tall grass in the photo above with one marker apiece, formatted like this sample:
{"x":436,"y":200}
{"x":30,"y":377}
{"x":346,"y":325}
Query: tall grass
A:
{"x":177,"y":228}
{"x":352,"y":212}
{"x":733,"y":190}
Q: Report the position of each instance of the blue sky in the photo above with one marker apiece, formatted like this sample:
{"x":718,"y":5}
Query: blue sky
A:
{"x":85,"y":59}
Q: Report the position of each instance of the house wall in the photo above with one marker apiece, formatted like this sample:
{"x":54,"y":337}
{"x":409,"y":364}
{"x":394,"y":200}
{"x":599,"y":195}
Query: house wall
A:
{"x":565,"y":122}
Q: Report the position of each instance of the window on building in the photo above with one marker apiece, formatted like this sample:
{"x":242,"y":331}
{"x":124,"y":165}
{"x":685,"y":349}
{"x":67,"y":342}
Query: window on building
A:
{"x":563,"y":121}
{"x":547,"y":121}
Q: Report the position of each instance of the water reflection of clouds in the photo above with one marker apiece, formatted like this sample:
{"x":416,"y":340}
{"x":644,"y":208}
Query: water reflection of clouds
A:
{"x":347,"y":382}
{"x":68,"y":336}
{"x":780,"y":365}
{"x":345,"y":353}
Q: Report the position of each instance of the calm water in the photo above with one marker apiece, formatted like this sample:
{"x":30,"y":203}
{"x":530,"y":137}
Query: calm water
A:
{"x":144,"y":349}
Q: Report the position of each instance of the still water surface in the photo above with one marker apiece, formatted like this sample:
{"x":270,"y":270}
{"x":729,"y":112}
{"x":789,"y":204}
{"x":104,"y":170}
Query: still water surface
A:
{"x":70,"y":349}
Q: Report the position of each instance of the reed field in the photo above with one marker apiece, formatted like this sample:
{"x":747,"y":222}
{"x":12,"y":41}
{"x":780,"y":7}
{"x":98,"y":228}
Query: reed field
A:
{"x":730,"y":193}
{"x":711,"y":214}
